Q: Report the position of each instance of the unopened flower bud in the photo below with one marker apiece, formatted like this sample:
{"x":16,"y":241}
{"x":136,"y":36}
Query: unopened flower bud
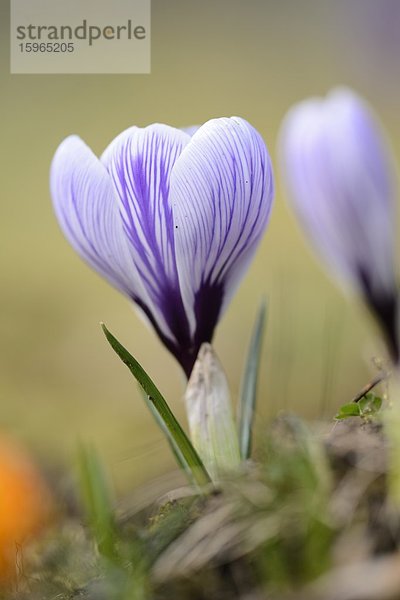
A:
{"x":212,"y":427}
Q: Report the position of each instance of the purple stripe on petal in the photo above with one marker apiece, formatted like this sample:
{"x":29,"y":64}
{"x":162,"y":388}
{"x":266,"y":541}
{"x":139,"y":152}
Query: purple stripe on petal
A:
{"x":140,"y":162}
{"x":221,"y":194}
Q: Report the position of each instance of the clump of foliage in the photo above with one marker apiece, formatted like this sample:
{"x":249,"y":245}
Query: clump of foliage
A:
{"x":282,"y":526}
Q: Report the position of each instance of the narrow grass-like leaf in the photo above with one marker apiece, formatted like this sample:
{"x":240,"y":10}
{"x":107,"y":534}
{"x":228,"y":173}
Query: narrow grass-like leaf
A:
{"x":97,"y":500}
{"x":248,"y":392}
{"x":171,"y":442}
{"x":177,"y":438}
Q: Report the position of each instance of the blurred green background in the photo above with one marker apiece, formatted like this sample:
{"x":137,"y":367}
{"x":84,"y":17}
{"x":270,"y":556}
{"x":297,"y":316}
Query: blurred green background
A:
{"x":59,"y":380}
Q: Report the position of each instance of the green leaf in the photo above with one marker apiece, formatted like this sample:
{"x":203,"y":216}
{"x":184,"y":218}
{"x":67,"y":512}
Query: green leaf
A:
{"x":348,"y":410}
{"x":370,"y":405}
{"x":248,"y":392}
{"x":97,"y":500}
{"x":180,"y":443}
{"x":171,"y":442}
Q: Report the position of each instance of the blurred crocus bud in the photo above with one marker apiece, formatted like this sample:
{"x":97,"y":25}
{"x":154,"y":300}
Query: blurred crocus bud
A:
{"x":339,"y":176}
{"x":211,"y":423}
{"x":25,"y":504}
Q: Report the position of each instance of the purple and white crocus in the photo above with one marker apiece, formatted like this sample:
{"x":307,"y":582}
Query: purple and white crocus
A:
{"x":171,"y":220}
{"x":339,"y":174}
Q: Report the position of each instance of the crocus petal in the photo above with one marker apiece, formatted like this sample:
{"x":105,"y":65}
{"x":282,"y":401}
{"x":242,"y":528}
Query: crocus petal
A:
{"x":85,"y":206}
{"x":221,"y":194}
{"x":140,"y":162}
{"x":332,"y":149}
{"x":339,"y":176}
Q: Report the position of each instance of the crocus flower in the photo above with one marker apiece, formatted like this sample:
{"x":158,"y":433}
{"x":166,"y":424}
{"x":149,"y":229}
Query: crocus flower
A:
{"x":171,"y":220}
{"x":338,"y":172}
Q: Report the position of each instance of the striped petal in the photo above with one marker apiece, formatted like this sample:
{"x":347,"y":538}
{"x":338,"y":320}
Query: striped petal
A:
{"x":221,"y":195}
{"x":140,"y":162}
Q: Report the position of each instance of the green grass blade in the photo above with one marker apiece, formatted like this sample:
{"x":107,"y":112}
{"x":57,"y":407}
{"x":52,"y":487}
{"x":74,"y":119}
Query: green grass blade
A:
{"x":171,"y":442}
{"x":248,"y":392}
{"x":180,"y":443}
{"x":97,"y":500}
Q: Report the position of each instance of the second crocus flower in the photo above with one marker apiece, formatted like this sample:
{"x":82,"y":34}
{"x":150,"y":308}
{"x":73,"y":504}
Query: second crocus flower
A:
{"x":338,"y":172}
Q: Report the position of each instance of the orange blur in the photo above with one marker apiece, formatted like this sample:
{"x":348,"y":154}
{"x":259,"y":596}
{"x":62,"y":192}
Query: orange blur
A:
{"x":24,"y":504}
